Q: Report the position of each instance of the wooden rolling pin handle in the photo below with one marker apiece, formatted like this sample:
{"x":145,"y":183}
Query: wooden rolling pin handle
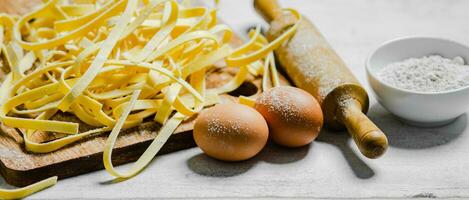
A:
{"x":268,"y":9}
{"x":369,"y":138}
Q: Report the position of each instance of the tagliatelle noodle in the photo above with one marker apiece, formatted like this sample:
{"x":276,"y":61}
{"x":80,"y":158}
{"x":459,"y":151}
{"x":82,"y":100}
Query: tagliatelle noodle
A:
{"x":113,"y":63}
{"x":105,"y":49}
{"x":28,"y":190}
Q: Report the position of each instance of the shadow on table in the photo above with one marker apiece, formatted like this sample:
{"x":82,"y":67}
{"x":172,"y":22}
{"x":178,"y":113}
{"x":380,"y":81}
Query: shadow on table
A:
{"x":5,"y":185}
{"x":405,"y":136}
{"x":272,"y":153}
{"x":341,"y":141}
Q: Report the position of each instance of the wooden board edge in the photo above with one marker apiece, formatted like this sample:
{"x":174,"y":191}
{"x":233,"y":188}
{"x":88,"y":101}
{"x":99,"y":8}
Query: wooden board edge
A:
{"x":82,"y":165}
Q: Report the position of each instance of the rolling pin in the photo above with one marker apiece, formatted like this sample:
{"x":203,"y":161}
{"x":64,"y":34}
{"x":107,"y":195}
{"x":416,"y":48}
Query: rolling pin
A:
{"x":312,"y":65}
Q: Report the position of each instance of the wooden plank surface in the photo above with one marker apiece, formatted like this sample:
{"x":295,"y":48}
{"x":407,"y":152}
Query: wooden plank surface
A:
{"x":18,"y":6}
{"x":21,"y":168}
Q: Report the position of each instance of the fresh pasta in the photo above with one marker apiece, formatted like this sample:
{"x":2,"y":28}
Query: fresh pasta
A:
{"x":114,"y":63}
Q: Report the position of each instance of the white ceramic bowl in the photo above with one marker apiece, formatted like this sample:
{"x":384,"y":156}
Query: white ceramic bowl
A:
{"x":418,"y":108}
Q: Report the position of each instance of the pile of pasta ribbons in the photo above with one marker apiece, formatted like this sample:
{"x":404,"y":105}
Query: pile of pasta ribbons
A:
{"x":114,"y":63}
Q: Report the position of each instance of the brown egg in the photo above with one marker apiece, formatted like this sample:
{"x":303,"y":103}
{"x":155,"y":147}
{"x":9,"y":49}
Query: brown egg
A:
{"x":231,"y":132}
{"x":293,"y":115}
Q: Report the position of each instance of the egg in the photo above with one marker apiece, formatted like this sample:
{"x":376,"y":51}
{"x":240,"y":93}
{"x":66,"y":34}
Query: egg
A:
{"x":230,"y":132}
{"x":294,"y":116}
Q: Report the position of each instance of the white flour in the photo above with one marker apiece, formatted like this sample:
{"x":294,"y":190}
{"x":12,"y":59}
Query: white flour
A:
{"x":427,"y":74}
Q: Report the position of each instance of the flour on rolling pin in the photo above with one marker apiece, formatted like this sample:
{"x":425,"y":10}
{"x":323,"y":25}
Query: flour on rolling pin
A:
{"x":316,"y":63}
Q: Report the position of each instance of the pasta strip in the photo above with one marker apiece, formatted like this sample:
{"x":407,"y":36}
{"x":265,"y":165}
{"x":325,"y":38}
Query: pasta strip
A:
{"x":28,"y":190}
{"x":100,"y":59}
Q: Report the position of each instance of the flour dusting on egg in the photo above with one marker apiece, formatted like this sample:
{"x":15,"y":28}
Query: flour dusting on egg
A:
{"x":231,"y":132}
{"x":293,"y":115}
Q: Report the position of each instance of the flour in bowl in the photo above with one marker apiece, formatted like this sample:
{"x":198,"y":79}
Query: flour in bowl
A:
{"x":427,"y":74}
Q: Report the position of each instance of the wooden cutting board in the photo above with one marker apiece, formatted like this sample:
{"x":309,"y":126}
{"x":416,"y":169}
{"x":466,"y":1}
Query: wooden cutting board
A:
{"x":20,"y":168}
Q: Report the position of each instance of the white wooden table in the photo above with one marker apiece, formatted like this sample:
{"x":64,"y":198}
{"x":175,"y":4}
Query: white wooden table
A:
{"x":423,"y":163}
